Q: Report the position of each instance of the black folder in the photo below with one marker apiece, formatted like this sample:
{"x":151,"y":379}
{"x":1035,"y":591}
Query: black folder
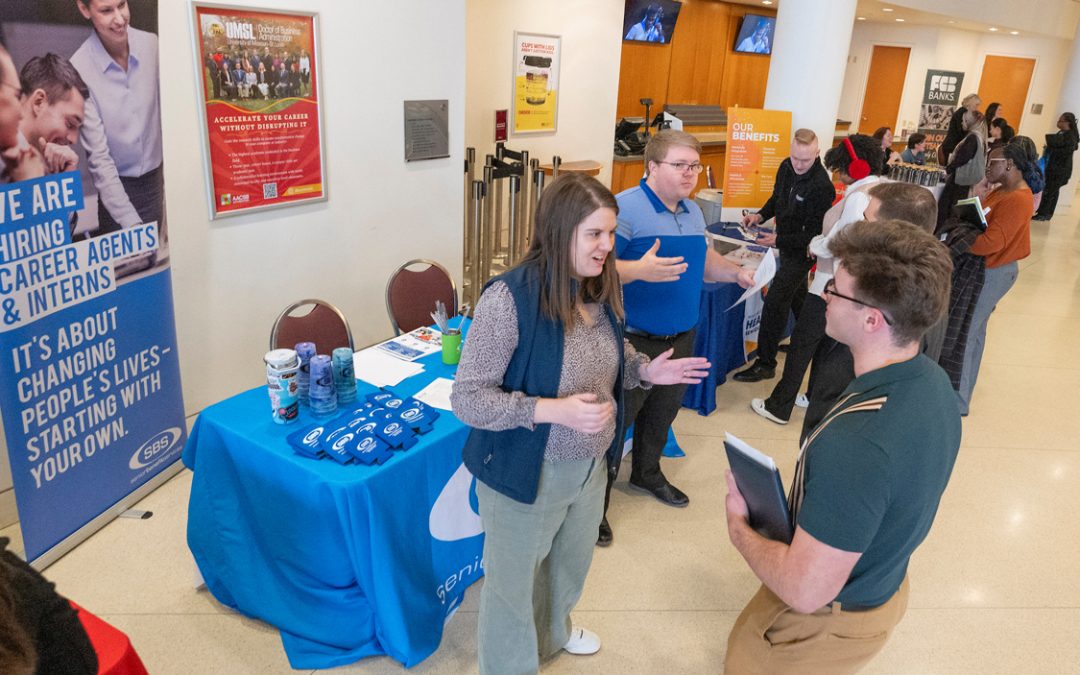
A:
{"x":758,"y":480}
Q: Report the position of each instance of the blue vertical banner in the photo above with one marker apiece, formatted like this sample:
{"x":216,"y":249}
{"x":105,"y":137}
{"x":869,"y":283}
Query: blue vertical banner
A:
{"x":89,"y":373}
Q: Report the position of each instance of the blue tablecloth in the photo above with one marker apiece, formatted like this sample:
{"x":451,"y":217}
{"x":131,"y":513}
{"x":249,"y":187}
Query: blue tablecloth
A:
{"x":720,"y":339}
{"x":341,"y":559}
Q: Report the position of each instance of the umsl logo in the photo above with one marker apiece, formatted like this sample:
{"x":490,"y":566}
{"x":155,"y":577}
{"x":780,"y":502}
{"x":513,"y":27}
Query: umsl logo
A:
{"x":410,"y":414}
{"x":158,"y":445}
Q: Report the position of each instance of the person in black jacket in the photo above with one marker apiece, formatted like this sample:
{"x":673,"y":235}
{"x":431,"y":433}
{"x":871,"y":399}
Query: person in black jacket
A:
{"x":1059,"y":151}
{"x":802,"y":193}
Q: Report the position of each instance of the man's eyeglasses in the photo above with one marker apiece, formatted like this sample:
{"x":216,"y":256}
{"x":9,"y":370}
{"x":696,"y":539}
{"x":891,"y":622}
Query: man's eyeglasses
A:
{"x":682,"y":167}
{"x":830,"y":289}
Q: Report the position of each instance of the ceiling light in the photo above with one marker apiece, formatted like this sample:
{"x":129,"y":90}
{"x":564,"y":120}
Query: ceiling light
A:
{"x":860,"y":18}
{"x":766,"y":2}
{"x":992,"y":29}
{"x":1014,"y":32}
{"x":900,"y":20}
{"x":887,"y":9}
{"x":950,"y":21}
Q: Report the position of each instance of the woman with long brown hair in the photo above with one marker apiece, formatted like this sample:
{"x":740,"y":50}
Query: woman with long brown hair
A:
{"x":541,"y":382}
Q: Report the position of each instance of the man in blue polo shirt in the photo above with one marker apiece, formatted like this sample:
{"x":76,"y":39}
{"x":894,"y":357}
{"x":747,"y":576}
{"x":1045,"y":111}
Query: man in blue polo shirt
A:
{"x":662,"y":256}
{"x":869,"y":477}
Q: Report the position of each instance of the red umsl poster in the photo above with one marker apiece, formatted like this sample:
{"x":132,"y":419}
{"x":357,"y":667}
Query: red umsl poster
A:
{"x":260,"y":88}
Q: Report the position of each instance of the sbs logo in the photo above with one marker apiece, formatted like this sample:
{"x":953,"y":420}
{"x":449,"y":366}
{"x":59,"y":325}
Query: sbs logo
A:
{"x":159,"y":444}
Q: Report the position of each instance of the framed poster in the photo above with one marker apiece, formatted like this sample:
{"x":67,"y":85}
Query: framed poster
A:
{"x":262,"y":122}
{"x":536,"y":83}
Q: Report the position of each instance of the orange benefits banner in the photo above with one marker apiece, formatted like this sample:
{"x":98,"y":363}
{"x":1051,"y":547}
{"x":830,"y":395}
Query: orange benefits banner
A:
{"x":757,"y":142}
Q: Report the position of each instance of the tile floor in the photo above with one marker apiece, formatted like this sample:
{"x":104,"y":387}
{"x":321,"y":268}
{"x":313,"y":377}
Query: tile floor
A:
{"x":995,"y":588}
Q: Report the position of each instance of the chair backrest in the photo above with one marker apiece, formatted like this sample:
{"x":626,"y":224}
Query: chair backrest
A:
{"x":323,"y":324}
{"x":411,"y":294}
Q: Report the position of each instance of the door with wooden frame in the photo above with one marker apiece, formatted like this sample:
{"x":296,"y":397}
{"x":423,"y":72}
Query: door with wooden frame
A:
{"x":884,"y":87}
{"x":1006,"y":80}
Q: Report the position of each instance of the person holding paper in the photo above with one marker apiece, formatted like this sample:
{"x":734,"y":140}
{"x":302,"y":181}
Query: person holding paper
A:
{"x":870,"y":477}
{"x":802,"y":193}
{"x":663,"y":257}
{"x":541,"y":382}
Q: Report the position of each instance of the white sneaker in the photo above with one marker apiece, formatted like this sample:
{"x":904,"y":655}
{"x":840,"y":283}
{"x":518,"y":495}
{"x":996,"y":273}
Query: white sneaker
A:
{"x":582,"y":642}
{"x":802,"y":401}
{"x":758,"y":406}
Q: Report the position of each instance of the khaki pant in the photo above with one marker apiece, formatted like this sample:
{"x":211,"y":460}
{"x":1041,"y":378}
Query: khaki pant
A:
{"x":536,"y":557}
{"x":770,"y":637}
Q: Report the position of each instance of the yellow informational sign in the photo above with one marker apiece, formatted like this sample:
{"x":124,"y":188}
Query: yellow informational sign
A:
{"x":757,"y":142}
{"x":536,"y":82}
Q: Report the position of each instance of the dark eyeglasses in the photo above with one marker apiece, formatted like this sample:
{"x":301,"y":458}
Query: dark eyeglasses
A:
{"x":830,"y":289}
{"x":683,"y":167}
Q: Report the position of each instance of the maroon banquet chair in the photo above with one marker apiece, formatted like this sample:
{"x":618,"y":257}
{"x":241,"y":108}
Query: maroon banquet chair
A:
{"x":323,"y":324}
{"x":412,"y":291}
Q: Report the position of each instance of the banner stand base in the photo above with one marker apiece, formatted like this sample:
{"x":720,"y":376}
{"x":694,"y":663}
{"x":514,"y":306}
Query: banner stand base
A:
{"x":118,"y":509}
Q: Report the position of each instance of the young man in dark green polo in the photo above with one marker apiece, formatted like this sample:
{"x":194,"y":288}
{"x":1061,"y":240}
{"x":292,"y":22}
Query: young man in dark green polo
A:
{"x":869,"y":476}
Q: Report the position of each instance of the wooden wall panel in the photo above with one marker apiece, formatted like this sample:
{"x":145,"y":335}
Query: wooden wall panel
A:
{"x":698,"y":67}
{"x":643,"y":74}
{"x":745,"y":75}
{"x":698,"y":53}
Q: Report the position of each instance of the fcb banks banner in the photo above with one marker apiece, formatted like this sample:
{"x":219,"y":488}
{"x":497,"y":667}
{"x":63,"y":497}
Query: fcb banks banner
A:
{"x":941,"y":96}
{"x":261,"y":95}
{"x":758,"y":141}
{"x":89,"y":374}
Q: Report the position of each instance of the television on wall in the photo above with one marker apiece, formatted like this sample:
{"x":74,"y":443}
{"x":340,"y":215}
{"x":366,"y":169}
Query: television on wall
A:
{"x":756,"y":34}
{"x":650,"y":20}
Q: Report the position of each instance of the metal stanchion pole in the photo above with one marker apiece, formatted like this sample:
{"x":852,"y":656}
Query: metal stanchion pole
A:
{"x":487,"y":231}
{"x":556,"y":162}
{"x":538,"y":188}
{"x":500,"y":217}
{"x":475,"y":237}
{"x":523,"y":205}
{"x":466,"y":248}
{"x":530,"y":202}
{"x":513,"y":238}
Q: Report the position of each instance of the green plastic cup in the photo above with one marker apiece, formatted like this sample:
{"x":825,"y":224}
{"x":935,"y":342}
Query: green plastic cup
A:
{"x":451,"y":346}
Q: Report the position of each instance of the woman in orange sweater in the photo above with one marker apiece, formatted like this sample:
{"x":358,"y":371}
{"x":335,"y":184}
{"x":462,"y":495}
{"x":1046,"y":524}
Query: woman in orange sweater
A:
{"x":1006,"y":240}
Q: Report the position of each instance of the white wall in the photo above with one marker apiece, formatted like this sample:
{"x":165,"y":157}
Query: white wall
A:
{"x":588,"y":76}
{"x":950,"y":49}
{"x":232,"y":276}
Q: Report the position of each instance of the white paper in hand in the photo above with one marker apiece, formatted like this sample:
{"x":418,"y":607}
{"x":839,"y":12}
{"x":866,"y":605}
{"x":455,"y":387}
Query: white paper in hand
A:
{"x":762,"y":276}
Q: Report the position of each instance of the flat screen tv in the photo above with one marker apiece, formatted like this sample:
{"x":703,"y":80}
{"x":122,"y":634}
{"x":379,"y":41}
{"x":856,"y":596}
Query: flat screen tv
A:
{"x":650,"y":20}
{"x":756,"y":34}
